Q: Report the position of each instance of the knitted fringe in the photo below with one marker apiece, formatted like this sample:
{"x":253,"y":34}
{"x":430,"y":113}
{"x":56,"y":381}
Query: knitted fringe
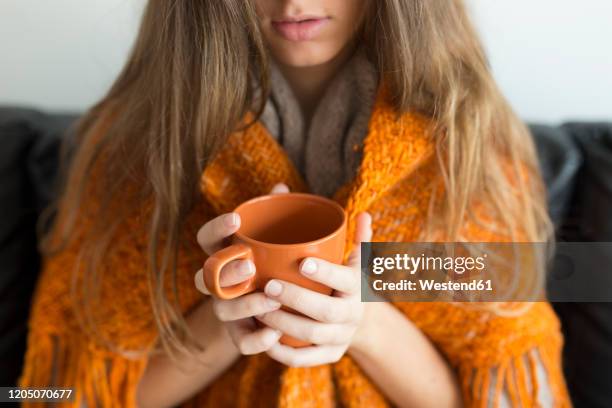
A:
{"x":98,"y":378}
{"x":515,"y":380}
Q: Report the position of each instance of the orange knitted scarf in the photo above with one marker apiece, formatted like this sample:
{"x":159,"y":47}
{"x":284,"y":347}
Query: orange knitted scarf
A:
{"x":496,"y":358}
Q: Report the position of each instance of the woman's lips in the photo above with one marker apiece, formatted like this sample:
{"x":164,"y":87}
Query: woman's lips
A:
{"x":302,"y":30}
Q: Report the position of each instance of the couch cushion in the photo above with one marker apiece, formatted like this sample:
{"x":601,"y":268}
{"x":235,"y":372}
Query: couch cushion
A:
{"x":560,"y":160}
{"x":28,"y":161}
{"x":587,"y":326}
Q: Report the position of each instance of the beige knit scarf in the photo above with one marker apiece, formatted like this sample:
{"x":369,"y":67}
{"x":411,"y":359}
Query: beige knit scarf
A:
{"x":326,"y":150}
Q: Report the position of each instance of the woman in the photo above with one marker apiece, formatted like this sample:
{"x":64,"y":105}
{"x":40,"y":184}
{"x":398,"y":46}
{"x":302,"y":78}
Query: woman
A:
{"x":388,"y":107}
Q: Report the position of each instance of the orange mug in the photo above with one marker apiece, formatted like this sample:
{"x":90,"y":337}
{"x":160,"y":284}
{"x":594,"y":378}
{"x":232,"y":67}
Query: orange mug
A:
{"x":276,"y":232}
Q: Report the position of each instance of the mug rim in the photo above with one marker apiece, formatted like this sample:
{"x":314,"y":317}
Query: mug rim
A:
{"x":279,"y":196}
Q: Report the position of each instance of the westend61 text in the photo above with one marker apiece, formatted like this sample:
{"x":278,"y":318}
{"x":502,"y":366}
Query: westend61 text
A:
{"x":430,"y":284}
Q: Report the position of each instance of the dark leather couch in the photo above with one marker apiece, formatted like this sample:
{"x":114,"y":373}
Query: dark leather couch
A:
{"x":576,"y":160}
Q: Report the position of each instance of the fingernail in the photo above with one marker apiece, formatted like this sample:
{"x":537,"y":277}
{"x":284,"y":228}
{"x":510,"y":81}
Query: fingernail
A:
{"x":273,"y":303}
{"x":247,"y":269}
{"x":274,"y":335}
{"x":199,"y":280}
{"x":309,"y":267}
{"x":231,"y":219}
{"x":273,"y":288}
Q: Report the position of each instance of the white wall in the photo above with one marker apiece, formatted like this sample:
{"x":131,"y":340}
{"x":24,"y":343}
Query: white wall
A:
{"x":63,"y":54}
{"x":552,"y":58}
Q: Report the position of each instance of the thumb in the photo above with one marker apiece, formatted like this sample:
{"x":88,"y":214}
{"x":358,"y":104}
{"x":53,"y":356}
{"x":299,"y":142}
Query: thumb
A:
{"x":363,"y":233}
{"x":279,"y":188}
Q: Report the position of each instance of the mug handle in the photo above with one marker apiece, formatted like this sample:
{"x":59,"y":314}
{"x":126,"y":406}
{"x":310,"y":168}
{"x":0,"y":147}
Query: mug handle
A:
{"x":212,"y":272}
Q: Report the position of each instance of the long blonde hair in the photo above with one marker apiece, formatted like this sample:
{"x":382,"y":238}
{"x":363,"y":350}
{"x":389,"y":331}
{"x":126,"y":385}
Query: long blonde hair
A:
{"x":188,"y":83}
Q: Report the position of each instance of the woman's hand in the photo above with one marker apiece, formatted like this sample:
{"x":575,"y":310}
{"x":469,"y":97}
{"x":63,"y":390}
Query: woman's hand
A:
{"x":378,"y":337}
{"x":217,"y":324}
{"x":332,"y":323}
{"x":237,"y":314}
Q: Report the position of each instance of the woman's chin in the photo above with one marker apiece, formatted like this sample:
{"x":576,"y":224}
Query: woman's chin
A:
{"x":303,"y":55}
